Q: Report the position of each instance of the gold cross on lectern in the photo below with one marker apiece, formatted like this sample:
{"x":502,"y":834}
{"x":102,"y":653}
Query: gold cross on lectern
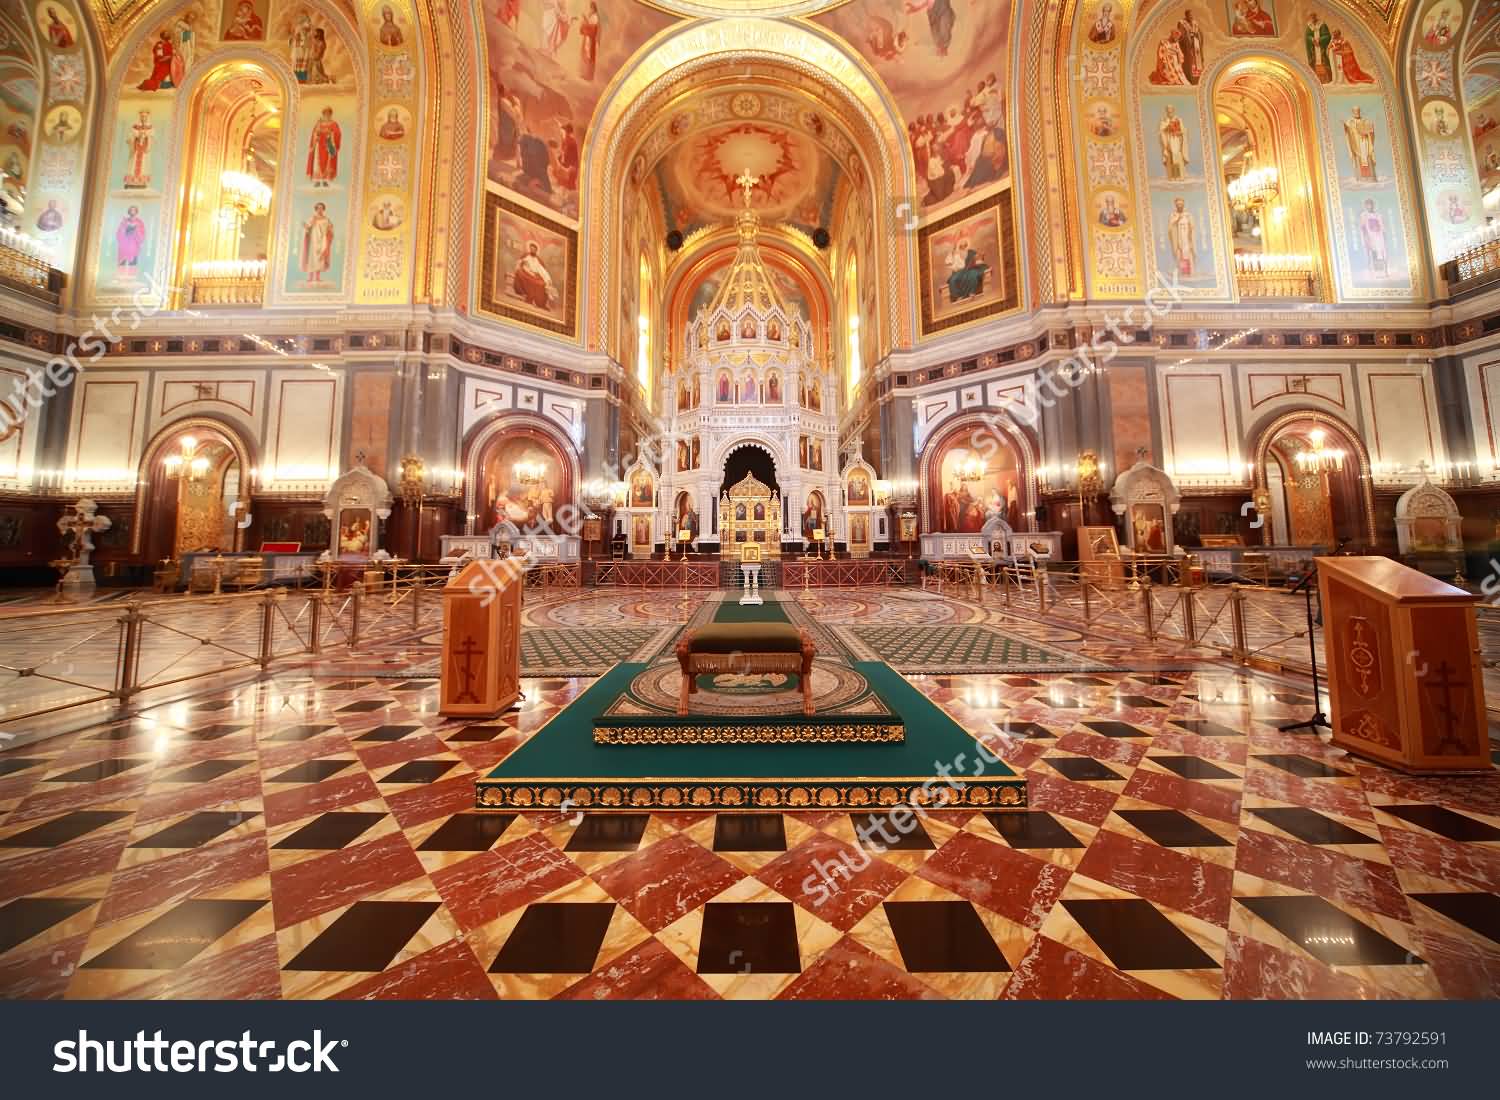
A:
{"x":747,"y":182}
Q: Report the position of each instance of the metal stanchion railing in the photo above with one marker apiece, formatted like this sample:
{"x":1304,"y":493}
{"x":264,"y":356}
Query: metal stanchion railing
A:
{"x":1237,"y":611}
{"x":1041,"y":587}
{"x":130,"y":652}
{"x":354,"y":604}
{"x":267,"y":630}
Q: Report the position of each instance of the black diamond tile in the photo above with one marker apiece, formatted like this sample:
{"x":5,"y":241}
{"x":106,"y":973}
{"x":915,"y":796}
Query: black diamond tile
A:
{"x":176,"y":937}
{"x":1171,"y":829}
{"x":366,"y":937}
{"x":608,"y":833}
{"x":556,"y":938}
{"x":414,"y":685}
{"x":215,"y":731}
{"x":1444,"y":822}
{"x":347,"y":685}
{"x":217,"y":704}
{"x":478,"y":733}
{"x":1143,"y":702}
{"x":27,"y":917}
{"x":387,"y":733}
{"x":1311,"y":827}
{"x":1135,"y":935}
{"x":205,"y":770}
{"x":1090,"y":681}
{"x":421,"y":771}
{"x":749,"y":938}
{"x":63,"y":829}
{"x":364,"y":706}
{"x":311,"y":771}
{"x":1203,"y":727}
{"x":1022,"y":682}
{"x":885,"y":835}
{"x":468,"y":833}
{"x":1062,"y":702}
{"x":99,"y":769}
{"x":299,"y":733}
{"x":195,"y":830}
{"x":126,"y":730}
{"x":1083,"y":769}
{"x":1291,"y":700}
{"x":1117,"y":729}
{"x":1033,"y":829}
{"x":1303,"y":767}
{"x":15,"y":764}
{"x":1155,"y":681}
{"x":1476,"y":912}
{"x":1029,"y":731}
{"x":330,"y":831}
{"x":1192,"y":767}
{"x":1328,"y":933}
{"x":943,"y":937}
{"x":749,"y":833}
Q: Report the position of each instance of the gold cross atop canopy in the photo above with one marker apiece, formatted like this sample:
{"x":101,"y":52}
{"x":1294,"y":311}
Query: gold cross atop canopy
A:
{"x":747,"y":182}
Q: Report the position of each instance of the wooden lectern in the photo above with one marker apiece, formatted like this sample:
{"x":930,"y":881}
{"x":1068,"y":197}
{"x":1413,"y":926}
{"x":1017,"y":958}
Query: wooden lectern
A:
{"x":1405,"y":678}
{"x":481,"y":671}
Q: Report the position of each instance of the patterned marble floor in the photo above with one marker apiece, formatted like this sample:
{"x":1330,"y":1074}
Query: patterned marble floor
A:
{"x":310,"y":836}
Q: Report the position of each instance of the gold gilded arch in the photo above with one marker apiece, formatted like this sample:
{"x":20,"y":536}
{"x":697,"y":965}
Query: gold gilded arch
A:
{"x":805,"y":58}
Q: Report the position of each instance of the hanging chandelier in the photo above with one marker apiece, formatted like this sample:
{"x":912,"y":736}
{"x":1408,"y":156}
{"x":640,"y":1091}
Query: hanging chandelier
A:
{"x":1320,"y":458}
{"x":1257,"y":187}
{"x":187,"y":462}
{"x":242,"y":196}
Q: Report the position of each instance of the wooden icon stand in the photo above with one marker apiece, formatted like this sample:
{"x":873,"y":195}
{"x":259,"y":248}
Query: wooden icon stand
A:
{"x":481,"y":670}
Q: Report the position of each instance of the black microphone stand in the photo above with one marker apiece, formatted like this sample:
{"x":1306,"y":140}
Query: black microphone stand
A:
{"x":1319,"y":720}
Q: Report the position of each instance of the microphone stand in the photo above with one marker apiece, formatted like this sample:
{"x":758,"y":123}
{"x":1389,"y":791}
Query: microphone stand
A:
{"x":1319,"y":720}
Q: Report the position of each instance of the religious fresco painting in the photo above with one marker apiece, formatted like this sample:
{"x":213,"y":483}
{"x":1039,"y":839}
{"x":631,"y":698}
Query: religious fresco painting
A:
{"x":968,"y":501}
{"x":166,"y":55}
{"x":323,"y":169}
{"x":132,"y":220}
{"x":549,"y":63}
{"x":530,"y":267}
{"x":1252,"y":18}
{"x":244,"y":20}
{"x":1175,"y":139}
{"x":312,"y":46}
{"x":945,"y":62}
{"x":1183,"y":241}
{"x":962,"y":258}
{"x":1369,"y":196}
{"x":507,"y":498}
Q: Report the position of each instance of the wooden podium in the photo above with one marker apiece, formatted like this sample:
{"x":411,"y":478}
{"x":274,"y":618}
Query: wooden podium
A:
{"x":481,"y":670}
{"x":1404,"y":672}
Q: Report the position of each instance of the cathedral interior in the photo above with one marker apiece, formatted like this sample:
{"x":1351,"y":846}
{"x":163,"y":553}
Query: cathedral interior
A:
{"x":835,"y":387}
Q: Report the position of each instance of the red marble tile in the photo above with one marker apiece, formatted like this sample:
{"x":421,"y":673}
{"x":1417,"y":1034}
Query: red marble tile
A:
{"x":45,"y":869}
{"x":249,"y":972}
{"x":184,"y":875}
{"x":1476,"y":865}
{"x":1315,"y":794}
{"x":1477,"y":794}
{"x":1076,"y":800}
{"x":1050,"y":972}
{"x":667,"y":880}
{"x":1167,"y":877}
{"x":449,"y":972}
{"x":682,"y":819}
{"x":449,"y":795}
{"x":317,"y":885}
{"x":345,"y":789}
{"x":1225,"y":749}
{"x":1256,"y":971}
{"x":647,"y":972}
{"x":51,"y":799}
{"x":850,"y":971}
{"x":836,"y":881}
{"x":168,"y":800}
{"x":43,"y":972}
{"x":493,"y":883}
{"x":1013,"y":884}
{"x":1465,"y":969}
{"x":1110,"y":750}
{"x":278,"y":756}
{"x":483,"y":756}
{"x":1315,"y":870}
{"x":414,"y":746}
{"x":1176,"y":793}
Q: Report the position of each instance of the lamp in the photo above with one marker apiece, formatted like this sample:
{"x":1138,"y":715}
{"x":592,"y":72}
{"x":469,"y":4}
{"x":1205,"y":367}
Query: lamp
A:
{"x":530,"y":474}
{"x":972,"y":469}
{"x":1257,"y":187}
{"x":186,"y":461}
{"x":1320,"y":459}
{"x":241,"y":197}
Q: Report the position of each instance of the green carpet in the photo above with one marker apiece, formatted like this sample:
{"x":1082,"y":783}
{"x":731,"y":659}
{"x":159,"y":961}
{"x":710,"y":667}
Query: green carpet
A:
{"x":730,"y":611}
{"x":960,"y":650}
{"x":562,"y":761}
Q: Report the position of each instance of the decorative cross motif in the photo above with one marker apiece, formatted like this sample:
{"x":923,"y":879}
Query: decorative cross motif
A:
{"x":1300,"y":384}
{"x":1454,"y":712}
{"x":205,"y":390}
{"x":465,"y":670}
{"x":747,"y":183}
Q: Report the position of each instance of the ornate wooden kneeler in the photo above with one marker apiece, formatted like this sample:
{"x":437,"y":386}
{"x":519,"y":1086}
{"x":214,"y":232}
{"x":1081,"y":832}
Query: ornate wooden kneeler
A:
{"x":1404,"y":671}
{"x":481,"y":671}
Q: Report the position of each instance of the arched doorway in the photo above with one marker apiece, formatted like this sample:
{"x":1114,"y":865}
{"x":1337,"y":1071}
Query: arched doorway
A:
{"x":749,"y":460}
{"x":973,"y":470}
{"x":196,"y":485}
{"x":518,"y":469}
{"x":1314,"y":476}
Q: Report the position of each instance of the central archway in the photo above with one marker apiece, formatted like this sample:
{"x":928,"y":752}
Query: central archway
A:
{"x":748,"y":459}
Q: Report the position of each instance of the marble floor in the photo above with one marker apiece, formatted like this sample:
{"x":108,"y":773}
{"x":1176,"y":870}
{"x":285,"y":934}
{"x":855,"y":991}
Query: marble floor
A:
{"x":311,"y":835}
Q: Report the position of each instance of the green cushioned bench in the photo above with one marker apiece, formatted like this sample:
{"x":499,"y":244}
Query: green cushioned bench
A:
{"x":745,"y":648}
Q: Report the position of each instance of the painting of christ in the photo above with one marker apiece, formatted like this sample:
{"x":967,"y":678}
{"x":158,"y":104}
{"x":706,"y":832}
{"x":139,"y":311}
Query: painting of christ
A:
{"x":531,"y":266}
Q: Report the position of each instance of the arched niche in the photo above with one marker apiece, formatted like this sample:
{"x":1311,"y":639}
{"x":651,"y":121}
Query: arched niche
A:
{"x":974,"y":468}
{"x":1301,"y":506}
{"x":180,"y":509}
{"x":517,"y":468}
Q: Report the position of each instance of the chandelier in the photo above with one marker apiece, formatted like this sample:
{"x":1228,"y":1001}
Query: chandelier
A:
{"x":972,"y":469}
{"x":1257,"y":187}
{"x":1320,"y":458}
{"x":530,"y":474}
{"x":187,"y":461}
{"x":242,"y":196}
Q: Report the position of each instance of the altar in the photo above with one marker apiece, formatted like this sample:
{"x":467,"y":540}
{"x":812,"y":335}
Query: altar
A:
{"x":750,"y":516}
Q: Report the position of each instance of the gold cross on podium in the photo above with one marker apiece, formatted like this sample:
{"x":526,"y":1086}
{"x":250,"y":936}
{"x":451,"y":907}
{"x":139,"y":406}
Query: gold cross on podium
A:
{"x":747,"y":183}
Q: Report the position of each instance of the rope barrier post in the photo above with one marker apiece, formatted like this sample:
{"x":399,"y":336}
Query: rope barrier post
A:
{"x":1088,"y":602}
{"x":1190,"y":615}
{"x":267,"y":630}
{"x":130,"y":653}
{"x":1237,"y":614}
{"x":416,"y":601}
{"x":1041,"y":587}
{"x":354,"y":618}
{"x":315,"y":624}
{"x":1148,"y":605}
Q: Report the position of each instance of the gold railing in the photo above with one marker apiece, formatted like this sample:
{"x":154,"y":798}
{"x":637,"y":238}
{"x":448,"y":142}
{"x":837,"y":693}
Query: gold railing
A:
{"x":222,"y":290}
{"x":29,"y":273}
{"x":1474,"y":266}
{"x":1301,"y":283}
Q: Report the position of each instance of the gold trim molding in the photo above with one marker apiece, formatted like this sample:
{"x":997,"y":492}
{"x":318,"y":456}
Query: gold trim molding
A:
{"x":748,"y":794}
{"x":788,"y":733}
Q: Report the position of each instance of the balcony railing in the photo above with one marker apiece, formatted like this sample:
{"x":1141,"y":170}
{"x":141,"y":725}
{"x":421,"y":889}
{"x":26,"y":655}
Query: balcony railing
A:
{"x":229,"y":282}
{"x":1475,"y":266}
{"x":25,"y":266}
{"x":1266,"y":276}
